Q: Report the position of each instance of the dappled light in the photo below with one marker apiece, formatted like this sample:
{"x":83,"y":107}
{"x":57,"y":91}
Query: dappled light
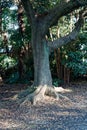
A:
{"x":43,"y":65}
{"x":48,"y":113}
{"x":62,"y":90}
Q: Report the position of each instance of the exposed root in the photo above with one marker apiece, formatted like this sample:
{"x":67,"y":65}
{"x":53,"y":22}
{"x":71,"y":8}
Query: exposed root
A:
{"x":63,"y":97}
{"x":50,"y":91}
{"x":61,"y":89}
{"x":39,"y":95}
{"x":36,"y":96}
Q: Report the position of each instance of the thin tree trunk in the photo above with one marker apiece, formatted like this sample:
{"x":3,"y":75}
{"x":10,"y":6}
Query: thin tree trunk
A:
{"x":0,"y":18}
{"x":56,"y":58}
{"x":59,"y":63}
{"x":68,"y":76}
{"x":5,"y":41}
{"x":65,"y":75}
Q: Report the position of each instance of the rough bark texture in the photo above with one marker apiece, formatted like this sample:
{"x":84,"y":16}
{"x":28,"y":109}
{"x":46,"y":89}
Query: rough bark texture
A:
{"x":39,"y":94}
{"x":42,"y":74}
{"x":68,"y":38}
{"x":40,"y":26}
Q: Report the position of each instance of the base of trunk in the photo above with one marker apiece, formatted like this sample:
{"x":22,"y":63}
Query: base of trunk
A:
{"x":39,"y":95}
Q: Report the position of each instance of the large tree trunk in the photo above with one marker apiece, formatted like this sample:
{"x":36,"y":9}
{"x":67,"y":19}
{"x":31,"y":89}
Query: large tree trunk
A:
{"x":42,"y":74}
{"x":40,"y":26}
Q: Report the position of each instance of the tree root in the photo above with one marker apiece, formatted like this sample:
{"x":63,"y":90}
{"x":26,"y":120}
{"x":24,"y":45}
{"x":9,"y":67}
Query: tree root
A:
{"x":39,"y":95}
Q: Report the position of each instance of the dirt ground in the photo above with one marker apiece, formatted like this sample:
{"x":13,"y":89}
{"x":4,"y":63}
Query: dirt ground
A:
{"x":47,"y":115}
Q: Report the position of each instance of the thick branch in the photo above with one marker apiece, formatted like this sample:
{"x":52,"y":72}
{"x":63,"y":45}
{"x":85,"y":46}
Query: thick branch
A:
{"x":29,"y":10}
{"x":70,"y":37}
{"x":60,"y":10}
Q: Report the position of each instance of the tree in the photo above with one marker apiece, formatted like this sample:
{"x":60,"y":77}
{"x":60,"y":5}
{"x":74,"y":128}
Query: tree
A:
{"x":40,"y":24}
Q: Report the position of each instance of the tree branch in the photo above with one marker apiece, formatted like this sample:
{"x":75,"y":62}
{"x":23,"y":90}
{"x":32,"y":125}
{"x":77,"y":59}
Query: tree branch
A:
{"x":71,"y":36}
{"x":29,"y":10}
{"x":60,"y":10}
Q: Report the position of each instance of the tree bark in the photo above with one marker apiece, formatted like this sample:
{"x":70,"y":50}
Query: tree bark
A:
{"x":40,"y":26}
{"x":42,"y":74}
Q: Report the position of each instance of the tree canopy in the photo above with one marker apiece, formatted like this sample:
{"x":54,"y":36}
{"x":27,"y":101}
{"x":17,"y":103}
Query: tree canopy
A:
{"x":30,"y":25}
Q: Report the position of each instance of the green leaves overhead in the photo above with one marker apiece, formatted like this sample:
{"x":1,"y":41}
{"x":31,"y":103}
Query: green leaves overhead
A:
{"x":42,"y":6}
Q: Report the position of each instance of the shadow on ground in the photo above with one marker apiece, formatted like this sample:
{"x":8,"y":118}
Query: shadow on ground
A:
{"x":47,"y":115}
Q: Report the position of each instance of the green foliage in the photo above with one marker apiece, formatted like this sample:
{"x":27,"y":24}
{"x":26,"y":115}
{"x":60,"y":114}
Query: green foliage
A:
{"x":42,"y":6}
{"x":6,"y":62}
{"x":73,"y":56}
{"x":76,"y":64}
{"x":13,"y":78}
{"x":57,"y":82}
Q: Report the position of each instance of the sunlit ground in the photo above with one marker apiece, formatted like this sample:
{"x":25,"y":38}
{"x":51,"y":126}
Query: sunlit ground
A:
{"x":65,"y":114}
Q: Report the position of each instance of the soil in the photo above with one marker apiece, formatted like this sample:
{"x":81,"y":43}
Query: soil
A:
{"x":50,"y":114}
